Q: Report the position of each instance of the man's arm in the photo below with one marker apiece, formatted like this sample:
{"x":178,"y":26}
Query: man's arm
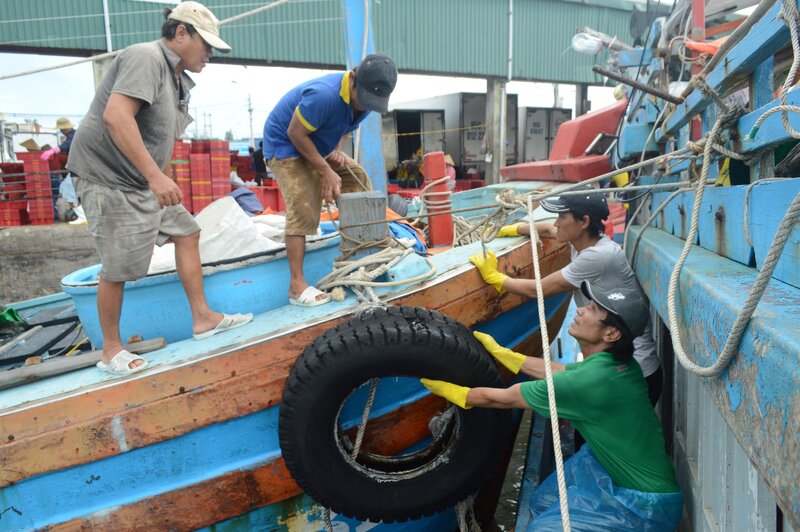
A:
{"x":515,"y":362}
{"x":497,"y":397}
{"x":545,"y":229}
{"x":337,"y":158}
{"x":119,"y":117}
{"x":534,"y":367}
{"x":299,"y":135}
{"x":552,"y":284}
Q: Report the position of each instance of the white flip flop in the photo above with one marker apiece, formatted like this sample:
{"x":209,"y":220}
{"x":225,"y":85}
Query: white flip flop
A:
{"x":309,"y":298}
{"x":120,"y":364}
{"x":228,"y":322}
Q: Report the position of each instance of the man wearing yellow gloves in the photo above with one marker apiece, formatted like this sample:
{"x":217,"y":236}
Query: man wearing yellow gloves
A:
{"x":623,"y":479}
{"x":595,"y":258}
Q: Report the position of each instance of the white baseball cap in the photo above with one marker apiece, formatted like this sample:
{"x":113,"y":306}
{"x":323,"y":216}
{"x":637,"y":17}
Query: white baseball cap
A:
{"x":204,"y":22}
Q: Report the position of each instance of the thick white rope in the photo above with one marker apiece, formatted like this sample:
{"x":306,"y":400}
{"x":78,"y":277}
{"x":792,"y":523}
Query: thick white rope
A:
{"x":759,"y":287}
{"x":551,"y":394}
{"x":790,"y":16}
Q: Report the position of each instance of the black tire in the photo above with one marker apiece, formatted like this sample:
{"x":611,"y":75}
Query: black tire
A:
{"x":398,"y":341}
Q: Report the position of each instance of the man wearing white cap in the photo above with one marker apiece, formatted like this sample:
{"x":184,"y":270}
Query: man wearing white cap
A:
{"x":120,"y":153}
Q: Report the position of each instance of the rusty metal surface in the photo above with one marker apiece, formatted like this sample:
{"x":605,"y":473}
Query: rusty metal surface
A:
{"x":758,"y":396}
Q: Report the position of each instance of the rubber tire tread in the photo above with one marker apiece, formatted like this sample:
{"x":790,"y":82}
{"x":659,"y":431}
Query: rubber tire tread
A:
{"x":385,"y":342}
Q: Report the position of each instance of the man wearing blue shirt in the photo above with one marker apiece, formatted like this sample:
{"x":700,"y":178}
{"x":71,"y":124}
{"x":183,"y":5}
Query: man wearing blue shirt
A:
{"x":302,"y":142}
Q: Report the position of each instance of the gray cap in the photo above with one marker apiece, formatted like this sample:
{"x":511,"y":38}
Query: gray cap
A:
{"x":593,"y":205}
{"x":625,"y":303}
{"x":376,"y":78}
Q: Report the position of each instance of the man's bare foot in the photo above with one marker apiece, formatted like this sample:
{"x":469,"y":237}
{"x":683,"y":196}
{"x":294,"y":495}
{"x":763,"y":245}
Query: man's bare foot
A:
{"x":207,"y":322}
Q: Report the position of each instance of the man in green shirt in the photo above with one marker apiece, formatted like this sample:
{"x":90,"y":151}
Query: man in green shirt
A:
{"x":605,"y":397}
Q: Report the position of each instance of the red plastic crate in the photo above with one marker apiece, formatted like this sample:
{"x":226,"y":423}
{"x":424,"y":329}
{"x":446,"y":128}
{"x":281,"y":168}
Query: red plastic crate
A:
{"x":13,"y":180}
{"x":200,"y":167}
{"x":270,"y":197}
{"x":181,"y":172}
{"x":220,"y":168}
{"x":13,"y":213}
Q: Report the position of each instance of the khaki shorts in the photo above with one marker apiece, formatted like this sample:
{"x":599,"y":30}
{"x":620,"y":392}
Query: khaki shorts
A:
{"x":301,"y":187}
{"x":127,"y":224}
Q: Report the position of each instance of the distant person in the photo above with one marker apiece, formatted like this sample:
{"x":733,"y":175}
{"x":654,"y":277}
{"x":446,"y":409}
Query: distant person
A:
{"x":303,"y":139}
{"x":120,"y":153}
{"x":622,"y":478}
{"x":67,"y":129}
{"x":259,"y":165}
{"x":450,"y":170}
{"x":66,"y":187}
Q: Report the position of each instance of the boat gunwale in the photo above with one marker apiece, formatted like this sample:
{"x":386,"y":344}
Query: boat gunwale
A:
{"x":146,"y":398}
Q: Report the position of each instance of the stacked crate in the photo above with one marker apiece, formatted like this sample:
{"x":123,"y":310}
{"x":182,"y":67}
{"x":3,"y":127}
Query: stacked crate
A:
{"x":220,"y":168}
{"x":200,"y":168}
{"x":38,"y":188}
{"x":181,"y":173}
{"x":13,"y":207}
{"x":243,"y":164}
{"x":200,"y":146}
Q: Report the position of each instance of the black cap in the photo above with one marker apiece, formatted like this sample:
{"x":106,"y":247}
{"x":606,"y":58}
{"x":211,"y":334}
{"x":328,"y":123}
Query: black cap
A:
{"x":625,"y":303}
{"x":376,"y":77}
{"x":593,"y":205}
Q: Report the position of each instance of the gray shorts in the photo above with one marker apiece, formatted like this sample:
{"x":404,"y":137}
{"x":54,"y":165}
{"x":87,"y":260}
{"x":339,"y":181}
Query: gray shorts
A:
{"x":126,"y":224}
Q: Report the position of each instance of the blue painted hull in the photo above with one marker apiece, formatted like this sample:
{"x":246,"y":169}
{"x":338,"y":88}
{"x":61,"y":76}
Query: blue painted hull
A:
{"x":149,"y":456}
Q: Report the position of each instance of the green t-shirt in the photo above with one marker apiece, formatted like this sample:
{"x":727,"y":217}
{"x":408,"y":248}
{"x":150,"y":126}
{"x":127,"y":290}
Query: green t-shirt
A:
{"x":606,"y":400}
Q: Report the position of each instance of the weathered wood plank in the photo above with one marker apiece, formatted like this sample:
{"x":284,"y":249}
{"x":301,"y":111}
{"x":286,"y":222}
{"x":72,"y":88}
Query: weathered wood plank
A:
{"x":165,"y":404}
{"x":759,"y":394}
{"x":16,"y":377}
{"x":237,"y":492}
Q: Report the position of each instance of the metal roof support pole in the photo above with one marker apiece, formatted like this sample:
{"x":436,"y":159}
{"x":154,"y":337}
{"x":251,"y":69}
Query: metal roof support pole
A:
{"x":359,"y":42}
{"x":107,"y":26}
{"x":698,"y":35}
{"x":495,"y":136}
{"x":581,"y":99}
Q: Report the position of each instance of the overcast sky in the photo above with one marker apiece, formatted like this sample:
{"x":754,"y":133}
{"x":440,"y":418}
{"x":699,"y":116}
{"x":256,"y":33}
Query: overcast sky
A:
{"x":219,"y":100}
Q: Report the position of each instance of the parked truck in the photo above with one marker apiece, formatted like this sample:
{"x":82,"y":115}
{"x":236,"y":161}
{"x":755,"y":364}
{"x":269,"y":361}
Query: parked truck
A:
{"x":463,"y":135}
{"x":539,"y":131}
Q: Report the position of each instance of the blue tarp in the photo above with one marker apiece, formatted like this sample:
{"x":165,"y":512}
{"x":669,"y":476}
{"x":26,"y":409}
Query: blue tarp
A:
{"x":247,"y":200}
{"x":596,"y":503}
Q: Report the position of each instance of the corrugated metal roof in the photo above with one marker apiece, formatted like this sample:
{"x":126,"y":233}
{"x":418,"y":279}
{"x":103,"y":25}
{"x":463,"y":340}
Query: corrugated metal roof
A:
{"x":463,"y":37}
{"x":543,"y":31}
{"x":52,"y":24}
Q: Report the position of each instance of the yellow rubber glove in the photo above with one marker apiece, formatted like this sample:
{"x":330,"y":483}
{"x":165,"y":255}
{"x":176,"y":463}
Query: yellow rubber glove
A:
{"x":509,"y":230}
{"x":510,"y":359}
{"x":452,"y":392}
{"x":487,"y":265}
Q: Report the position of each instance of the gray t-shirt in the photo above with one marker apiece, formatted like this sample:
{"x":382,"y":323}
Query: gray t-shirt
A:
{"x":606,"y":266}
{"x":146,"y":72}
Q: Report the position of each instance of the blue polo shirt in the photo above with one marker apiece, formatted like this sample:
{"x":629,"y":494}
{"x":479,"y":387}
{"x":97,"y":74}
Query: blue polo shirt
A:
{"x":323,"y":107}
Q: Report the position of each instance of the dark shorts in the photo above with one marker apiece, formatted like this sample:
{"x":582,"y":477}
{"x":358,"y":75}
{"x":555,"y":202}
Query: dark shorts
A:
{"x":127,"y":224}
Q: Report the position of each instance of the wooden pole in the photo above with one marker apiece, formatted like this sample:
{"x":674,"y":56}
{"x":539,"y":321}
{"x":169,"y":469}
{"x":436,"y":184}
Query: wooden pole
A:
{"x":26,"y":374}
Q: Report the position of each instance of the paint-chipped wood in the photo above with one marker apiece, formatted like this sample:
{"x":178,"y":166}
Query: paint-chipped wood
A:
{"x":76,"y":429}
